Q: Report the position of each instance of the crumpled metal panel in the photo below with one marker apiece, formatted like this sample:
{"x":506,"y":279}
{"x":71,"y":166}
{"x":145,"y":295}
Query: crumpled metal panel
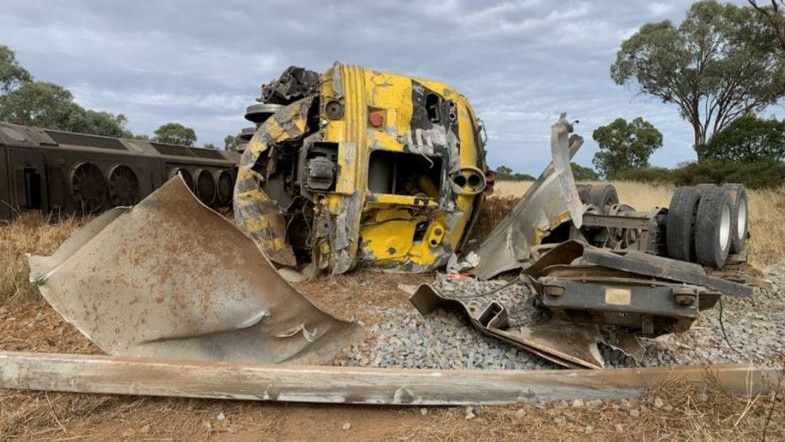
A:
{"x":567,"y":344}
{"x":257,"y":213}
{"x":550,"y":201}
{"x":170,"y":278}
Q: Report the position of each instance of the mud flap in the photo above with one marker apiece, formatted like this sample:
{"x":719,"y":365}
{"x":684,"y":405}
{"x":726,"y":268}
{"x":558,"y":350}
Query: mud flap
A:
{"x":170,"y":278}
{"x":563,"y":343}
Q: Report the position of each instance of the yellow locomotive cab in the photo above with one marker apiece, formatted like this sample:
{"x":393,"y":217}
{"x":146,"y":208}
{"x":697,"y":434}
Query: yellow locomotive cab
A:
{"x":361,"y":167}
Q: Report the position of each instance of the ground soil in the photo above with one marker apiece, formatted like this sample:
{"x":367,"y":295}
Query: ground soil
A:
{"x":668,"y":412}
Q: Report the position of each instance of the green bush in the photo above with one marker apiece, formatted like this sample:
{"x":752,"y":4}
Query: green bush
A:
{"x":760,"y":174}
{"x":755,"y":175}
{"x":654,"y":175}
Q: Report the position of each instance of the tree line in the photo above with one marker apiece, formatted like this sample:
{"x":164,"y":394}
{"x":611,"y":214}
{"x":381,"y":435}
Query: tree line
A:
{"x":26,"y":101}
{"x":720,"y":68}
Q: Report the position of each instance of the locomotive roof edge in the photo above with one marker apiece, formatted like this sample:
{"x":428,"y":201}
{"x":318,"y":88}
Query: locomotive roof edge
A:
{"x":72,"y":173}
{"x":15,"y":135}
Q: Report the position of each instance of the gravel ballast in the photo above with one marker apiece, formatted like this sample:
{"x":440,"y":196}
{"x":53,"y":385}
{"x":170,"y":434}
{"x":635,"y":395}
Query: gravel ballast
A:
{"x":445,"y":339}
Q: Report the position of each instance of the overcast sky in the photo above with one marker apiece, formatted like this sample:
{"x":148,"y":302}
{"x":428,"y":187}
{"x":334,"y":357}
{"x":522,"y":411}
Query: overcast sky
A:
{"x":200,"y":63}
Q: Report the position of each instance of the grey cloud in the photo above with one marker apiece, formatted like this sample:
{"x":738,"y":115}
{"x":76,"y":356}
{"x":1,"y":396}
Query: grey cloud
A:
{"x":201,"y":62}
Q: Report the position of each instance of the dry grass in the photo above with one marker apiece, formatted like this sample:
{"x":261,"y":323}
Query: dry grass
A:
{"x":767,"y":227}
{"x":30,"y":233}
{"x":766,"y":213}
{"x":688,"y":413}
{"x":672,"y":411}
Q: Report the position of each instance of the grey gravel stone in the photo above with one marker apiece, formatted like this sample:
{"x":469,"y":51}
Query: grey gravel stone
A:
{"x":447,"y":340}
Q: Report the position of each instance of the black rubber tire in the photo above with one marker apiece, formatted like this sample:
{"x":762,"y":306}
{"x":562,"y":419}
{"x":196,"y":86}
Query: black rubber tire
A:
{"x":712,"y":227}
{"x":702,"y":187}
{"x":603,"y":196}
{"x":739,"y":216}
{"x":680,"y":224}
{"x":583,"y":192}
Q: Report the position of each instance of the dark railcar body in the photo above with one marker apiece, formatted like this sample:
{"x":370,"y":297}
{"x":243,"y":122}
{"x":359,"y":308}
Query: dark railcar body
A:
{"x":70,"y":173}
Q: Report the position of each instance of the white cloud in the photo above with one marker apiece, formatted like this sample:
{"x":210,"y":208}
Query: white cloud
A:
{"x":660,"y":8}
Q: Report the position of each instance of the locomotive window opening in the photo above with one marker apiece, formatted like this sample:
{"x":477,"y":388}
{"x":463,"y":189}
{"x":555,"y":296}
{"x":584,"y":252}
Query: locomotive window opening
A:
{"x":32,"y":180}
{"x":399,"y":173}
{"x":432,"y":107}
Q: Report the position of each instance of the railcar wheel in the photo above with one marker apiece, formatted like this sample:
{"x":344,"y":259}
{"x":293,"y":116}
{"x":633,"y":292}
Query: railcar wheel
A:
{"x":259,"y":113}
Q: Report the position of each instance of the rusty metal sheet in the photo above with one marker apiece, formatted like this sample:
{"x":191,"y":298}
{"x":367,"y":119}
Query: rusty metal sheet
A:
{"x":170,"y":278}
{"x":550,"y":201}
{"x":566,"y":344}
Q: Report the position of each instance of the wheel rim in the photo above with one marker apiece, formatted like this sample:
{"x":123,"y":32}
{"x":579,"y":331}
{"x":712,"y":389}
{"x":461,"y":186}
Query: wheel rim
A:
{"x":725,"y":224}
{"x":741,"y":221}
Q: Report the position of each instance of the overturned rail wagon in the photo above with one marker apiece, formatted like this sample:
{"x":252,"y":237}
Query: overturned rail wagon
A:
{"x":69,"y":173}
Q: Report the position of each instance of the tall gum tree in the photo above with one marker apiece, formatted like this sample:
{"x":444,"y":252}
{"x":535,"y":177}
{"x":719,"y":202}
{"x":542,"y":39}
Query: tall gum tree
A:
{"x":721,"y":62}
{"x":775,"y":16}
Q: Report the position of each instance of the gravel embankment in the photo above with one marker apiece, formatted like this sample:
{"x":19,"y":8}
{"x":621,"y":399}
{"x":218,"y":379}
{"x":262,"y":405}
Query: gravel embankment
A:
{"x":446,"y":339}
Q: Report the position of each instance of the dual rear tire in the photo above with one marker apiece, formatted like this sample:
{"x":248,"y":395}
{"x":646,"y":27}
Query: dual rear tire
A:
{"x":705,"y":224}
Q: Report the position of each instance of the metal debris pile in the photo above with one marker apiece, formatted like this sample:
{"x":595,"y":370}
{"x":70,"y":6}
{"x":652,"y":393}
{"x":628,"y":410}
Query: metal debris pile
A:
{"x":446,"y":340}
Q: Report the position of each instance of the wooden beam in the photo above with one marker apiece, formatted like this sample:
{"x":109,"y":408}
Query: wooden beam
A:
{"x":218,"y":380}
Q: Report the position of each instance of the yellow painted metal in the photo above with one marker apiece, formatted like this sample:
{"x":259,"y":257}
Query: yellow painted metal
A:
{"x":389,"y":241}
{"x":412,"y":226}
{"x":256,"y":212}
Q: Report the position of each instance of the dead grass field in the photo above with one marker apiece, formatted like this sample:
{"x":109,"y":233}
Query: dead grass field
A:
{"x":30,"y":233}
{"x":669,"y":412}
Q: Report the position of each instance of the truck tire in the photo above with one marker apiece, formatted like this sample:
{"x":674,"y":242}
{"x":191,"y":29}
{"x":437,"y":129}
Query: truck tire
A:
{"x":680,"y":224}
{"x":713,"y":227}
{"x":738,"y":195}
{"x":703,"y":187}
{"x":603,"y":196}
{"x":584,"y":192}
